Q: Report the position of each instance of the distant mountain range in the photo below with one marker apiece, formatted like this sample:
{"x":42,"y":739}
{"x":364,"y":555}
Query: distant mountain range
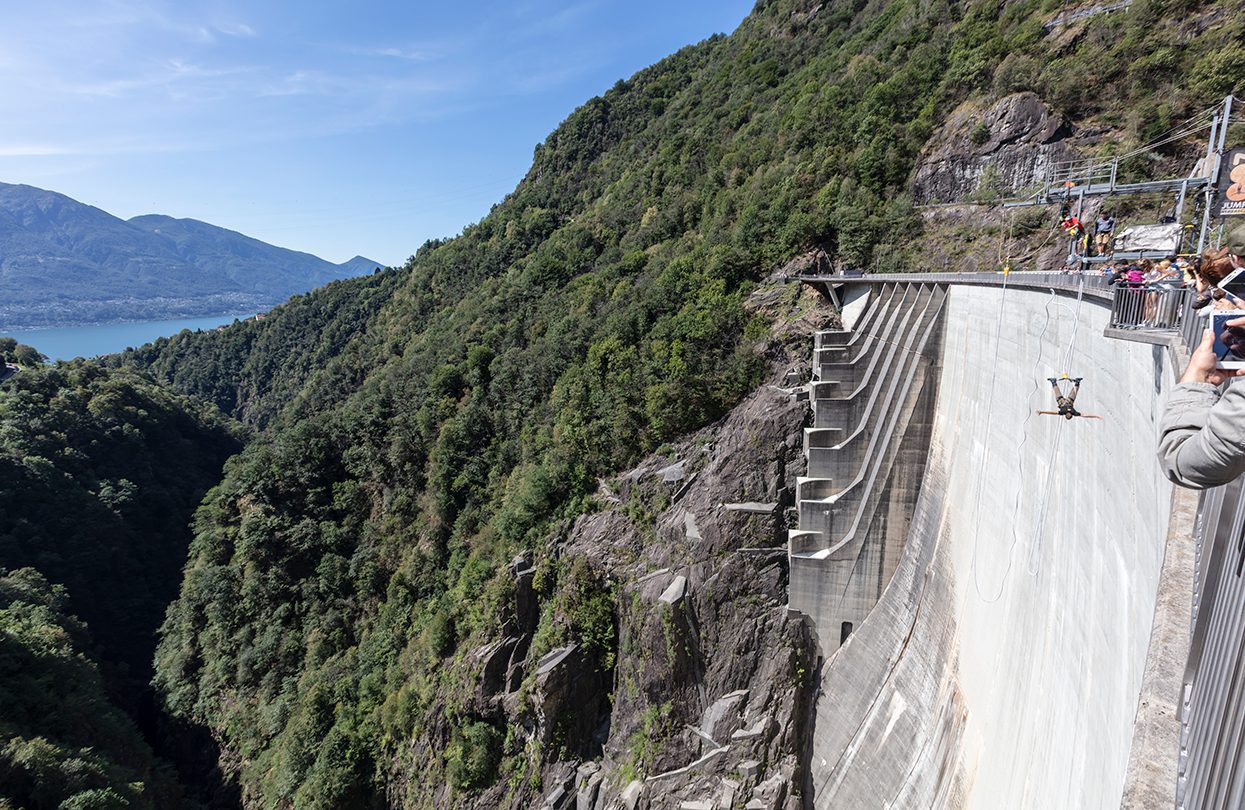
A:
{"x":63,"y":262}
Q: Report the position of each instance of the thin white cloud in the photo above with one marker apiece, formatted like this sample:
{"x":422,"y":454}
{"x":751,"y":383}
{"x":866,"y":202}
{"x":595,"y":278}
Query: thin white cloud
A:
{"x":544,"y":23}
{"x":166,"y":74}
{"x":413,"y":52}
{"x":121,"y":146}
{"x":34,"y":150}
{"x":399,"y":53}
{"x":542,"y":80}
{"x":140,"y":15}
{"x":241,"y":30}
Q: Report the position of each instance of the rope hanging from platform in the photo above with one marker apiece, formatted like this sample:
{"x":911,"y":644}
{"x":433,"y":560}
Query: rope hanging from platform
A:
{"x":1039,"y":531}
{"x":1035,"y":547}
{"x":998,"y":337}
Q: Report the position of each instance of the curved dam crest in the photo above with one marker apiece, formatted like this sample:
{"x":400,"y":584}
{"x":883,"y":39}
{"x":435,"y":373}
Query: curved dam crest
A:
{"x":1003,"y":662}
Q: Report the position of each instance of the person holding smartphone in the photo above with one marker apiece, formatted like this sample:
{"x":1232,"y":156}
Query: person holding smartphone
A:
{"x":1202,"y":431}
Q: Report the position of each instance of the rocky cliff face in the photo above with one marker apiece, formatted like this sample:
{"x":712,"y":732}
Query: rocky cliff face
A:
{"x":710,"y":686}
{"x":1018,"y":138}
{"x":704,"y":702}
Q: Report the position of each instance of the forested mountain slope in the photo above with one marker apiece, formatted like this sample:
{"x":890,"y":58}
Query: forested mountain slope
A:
{"x":432,"y":433}
{"x":63,"y":743}
{"x":100,"y":472}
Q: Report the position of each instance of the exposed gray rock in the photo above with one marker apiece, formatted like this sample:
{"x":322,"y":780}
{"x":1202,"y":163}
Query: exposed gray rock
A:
{"x":1068,"y":16}
{"x":568,"y":696}
{"x":673,"y":473}
{"x":1022,"y":138}
{"x":587,"y":785}
{"x":698,"y":648}
{"x":526,"y":607}
{"x":810,"y":263}
{"x":772,"y":793}
{"x":722,"y":718}
{"x":705,"y":645}
{"x":631,"y":794}
{"x":673,"y":594}
{"x":494,"y":661}
{"x":703,"y":762}
{"x":690,"y":528}
{"x":760,"y":728}
{"x":660,"y":572}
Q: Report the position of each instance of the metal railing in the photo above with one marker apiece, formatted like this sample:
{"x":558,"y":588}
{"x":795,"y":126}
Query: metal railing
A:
{"x":1211,"y":773}
{"x":1092,"y":284}
{"x":1148,"y":306}
{"x":1211,"y":770}
{"x":1081,"y":172}
{"x":1192,"y":324}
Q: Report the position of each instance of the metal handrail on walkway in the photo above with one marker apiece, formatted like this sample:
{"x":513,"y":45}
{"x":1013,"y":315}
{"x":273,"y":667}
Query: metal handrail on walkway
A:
{"x":1148,"y":306}
{"x":1191,"y":323}
{"x":1091,"y":284}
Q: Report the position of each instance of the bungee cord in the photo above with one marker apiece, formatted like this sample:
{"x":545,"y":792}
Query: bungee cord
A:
{"x":1035,"y":547}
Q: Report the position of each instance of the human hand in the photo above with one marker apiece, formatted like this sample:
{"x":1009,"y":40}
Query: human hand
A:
{"x":1201,"y":366}
{"x":1229,"y":301}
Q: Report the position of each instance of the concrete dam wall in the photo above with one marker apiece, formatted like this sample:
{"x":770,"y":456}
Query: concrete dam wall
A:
{"x":1002,"y":661}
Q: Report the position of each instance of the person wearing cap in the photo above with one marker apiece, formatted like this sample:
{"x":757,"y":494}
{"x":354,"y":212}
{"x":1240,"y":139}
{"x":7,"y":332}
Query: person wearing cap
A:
{"x":1202,"y":431}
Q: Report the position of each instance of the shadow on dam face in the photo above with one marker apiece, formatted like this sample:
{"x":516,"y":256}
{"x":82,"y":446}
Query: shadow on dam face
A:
{"x":1002,"y":665}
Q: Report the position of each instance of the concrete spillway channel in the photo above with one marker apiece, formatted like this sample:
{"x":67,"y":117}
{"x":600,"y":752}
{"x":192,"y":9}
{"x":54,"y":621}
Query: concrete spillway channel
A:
{"x":982,"y":579}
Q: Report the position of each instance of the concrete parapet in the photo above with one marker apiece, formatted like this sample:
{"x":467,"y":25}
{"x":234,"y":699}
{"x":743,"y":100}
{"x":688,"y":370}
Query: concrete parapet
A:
{"x":801,"y":542}
{"x":837,"y":379}
{"x":821,"y":437}
{"x":831,"y":337}
{"x":813,"y":488}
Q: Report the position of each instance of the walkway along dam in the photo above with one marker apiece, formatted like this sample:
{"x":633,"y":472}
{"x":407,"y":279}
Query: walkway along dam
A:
{"x":1004,"y":600}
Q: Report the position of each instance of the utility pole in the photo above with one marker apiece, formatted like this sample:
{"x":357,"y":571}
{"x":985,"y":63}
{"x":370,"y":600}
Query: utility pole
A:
{"x":1214,"y":152}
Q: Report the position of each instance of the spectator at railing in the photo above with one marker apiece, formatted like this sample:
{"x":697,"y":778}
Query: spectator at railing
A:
{"x":1161,"y":282}
{"x":1186,"y":269}
{"x":1208,"y":270}
{"x":1217,"y":264}
{"x":1104,"y":231}
{"x":1165,"y":275}
{"x":1202,"y":433}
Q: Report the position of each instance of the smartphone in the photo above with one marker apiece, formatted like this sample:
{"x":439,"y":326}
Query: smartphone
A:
{"x":1229,"y":340}
{"x":1234,"y":285}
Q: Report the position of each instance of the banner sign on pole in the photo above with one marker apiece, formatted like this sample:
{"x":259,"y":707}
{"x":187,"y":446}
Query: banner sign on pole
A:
{"x":1230,"y":196}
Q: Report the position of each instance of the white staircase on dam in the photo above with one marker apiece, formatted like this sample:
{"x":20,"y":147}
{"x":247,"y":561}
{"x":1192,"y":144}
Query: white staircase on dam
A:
{"x":872,"y":397}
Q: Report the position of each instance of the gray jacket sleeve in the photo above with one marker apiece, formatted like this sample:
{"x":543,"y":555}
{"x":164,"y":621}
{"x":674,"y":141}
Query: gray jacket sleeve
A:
{"x":1202,"y":435}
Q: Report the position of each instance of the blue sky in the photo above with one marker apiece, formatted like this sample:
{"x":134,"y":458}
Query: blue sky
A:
{"x":328,"y":127}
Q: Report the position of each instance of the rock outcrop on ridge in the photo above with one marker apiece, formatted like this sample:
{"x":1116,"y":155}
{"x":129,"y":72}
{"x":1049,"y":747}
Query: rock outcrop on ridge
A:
{"x":1018,"y":138}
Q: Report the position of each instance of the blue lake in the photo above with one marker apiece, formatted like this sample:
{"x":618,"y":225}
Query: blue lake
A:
{"x":88,"y":341}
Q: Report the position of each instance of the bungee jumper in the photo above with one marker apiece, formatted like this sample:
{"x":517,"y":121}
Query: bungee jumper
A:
{"x":1066,"y":403}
